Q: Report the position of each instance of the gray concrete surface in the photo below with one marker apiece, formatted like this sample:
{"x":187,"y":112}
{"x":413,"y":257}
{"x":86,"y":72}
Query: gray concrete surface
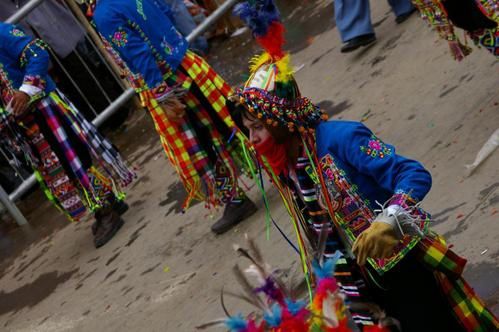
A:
{"x":164,"y":270}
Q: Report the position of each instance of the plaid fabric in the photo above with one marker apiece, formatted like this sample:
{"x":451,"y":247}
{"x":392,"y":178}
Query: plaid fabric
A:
{"x":213,"y":87}
{"x":175,"y":139}
{"x":101,"y":149}
{"x":182,"y":142}
{"x":48,"y":107}
{"x":448,"y":266}
{"x":55,"y":110}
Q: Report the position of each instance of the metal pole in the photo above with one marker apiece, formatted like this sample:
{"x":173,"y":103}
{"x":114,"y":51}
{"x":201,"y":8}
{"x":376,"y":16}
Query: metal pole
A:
{"x":10,"y":161}
{"x":211,"y":19}
{"x":23,"y":188}
{"x":12,"y":208}
{"x":24,"y":11}
{"x":113,"y":107}
{"x":77,"y":88}
{"x":90,"y":36}
{"x":84,"y":64}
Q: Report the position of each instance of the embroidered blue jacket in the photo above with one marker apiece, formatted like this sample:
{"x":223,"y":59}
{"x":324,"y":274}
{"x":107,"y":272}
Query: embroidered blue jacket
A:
{"x":371,"y":165}
{"x":24,"y":60}
{"x":142,"y":33}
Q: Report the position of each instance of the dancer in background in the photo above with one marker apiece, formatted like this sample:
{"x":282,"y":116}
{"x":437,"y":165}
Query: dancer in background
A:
{"x":186,"y":98}
{"x":61,"y":145}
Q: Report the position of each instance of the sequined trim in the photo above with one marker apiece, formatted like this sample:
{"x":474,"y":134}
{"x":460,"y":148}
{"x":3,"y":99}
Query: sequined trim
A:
{"x":355,"y":216}
{"x":23,"y":59}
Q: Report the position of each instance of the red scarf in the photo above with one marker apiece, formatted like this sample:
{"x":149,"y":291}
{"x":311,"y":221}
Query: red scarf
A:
{"x":275,"y":154}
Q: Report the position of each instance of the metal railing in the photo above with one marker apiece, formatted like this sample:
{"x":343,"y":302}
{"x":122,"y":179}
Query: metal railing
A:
{"x":8,"y":200}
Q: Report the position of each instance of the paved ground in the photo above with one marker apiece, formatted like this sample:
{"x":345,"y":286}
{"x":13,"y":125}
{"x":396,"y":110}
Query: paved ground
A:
{"x":164,"y":270}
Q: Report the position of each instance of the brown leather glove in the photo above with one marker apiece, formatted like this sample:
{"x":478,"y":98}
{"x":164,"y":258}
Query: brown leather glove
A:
{"x":378,"y":241}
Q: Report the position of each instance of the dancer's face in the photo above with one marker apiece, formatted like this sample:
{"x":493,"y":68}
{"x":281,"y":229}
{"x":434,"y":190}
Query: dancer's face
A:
{"x":258,"y":133}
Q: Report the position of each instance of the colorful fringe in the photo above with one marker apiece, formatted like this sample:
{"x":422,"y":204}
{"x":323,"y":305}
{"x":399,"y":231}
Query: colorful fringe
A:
{"x":487,"y":38}
{"x":85,"y":189}
{"x":55,"y":109}
{"x":182,"y":145}
{"x":448,"y":267}
{"x":434,"y":13}
{"x":101,"y":149}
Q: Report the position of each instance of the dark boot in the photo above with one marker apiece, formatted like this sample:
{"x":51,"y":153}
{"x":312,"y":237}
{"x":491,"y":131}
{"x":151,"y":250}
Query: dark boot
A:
{"x":120,"y":207}
{"x":357,"y":42}
{"x":402,"y":18}
{"x":234,"y":213}
{"x":108,"y":223}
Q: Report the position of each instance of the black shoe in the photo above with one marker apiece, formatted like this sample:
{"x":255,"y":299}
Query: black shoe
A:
{"x":109,"y":222}
{"x":402,"y":18}
{"x":234,"y":213}
{"x":357,"y":42}
{"x":120,"y":207}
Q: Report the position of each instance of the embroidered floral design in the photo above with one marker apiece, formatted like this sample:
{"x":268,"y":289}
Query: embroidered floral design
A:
{"x":376,"y":148}
{"x":17,"y":32}
{"x":120,"y":38}
{"x":166,"y":46}
{"x":355,"y":215}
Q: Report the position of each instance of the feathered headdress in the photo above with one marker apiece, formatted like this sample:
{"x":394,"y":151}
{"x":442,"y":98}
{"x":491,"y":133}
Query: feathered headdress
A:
{"x":271,"y":91}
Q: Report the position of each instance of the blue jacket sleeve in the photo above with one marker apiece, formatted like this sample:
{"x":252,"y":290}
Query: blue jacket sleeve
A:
{"x":131,"y":48}
{"x":165,"y":8}
{"x":360,"y":148}
{"x":32,"y":53}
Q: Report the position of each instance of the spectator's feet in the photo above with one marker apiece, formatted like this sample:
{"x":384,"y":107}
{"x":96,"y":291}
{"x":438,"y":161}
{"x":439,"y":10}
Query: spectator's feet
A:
{"x":120,"y":207}
{"x":357,"y":42}
{"x":402,"y":18}
{"x":108,"y":224}
{"x":234,"y":213}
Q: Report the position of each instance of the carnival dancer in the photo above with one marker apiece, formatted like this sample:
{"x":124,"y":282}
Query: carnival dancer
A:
{"x":61,"y":145}
{"x":201,"y":140}
{"x":335,"y":175}
{"x":479,"y":18}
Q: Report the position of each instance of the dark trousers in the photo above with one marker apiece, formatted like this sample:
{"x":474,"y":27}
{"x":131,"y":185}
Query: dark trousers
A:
{"x":412,"y":295}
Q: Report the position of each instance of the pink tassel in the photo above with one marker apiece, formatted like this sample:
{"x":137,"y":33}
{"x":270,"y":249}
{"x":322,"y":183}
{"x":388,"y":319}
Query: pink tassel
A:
{"x":458,"y":50}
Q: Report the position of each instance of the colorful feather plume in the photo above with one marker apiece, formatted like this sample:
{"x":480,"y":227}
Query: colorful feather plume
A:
{"x":279,"y":311}
{"x":264,"y":20}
